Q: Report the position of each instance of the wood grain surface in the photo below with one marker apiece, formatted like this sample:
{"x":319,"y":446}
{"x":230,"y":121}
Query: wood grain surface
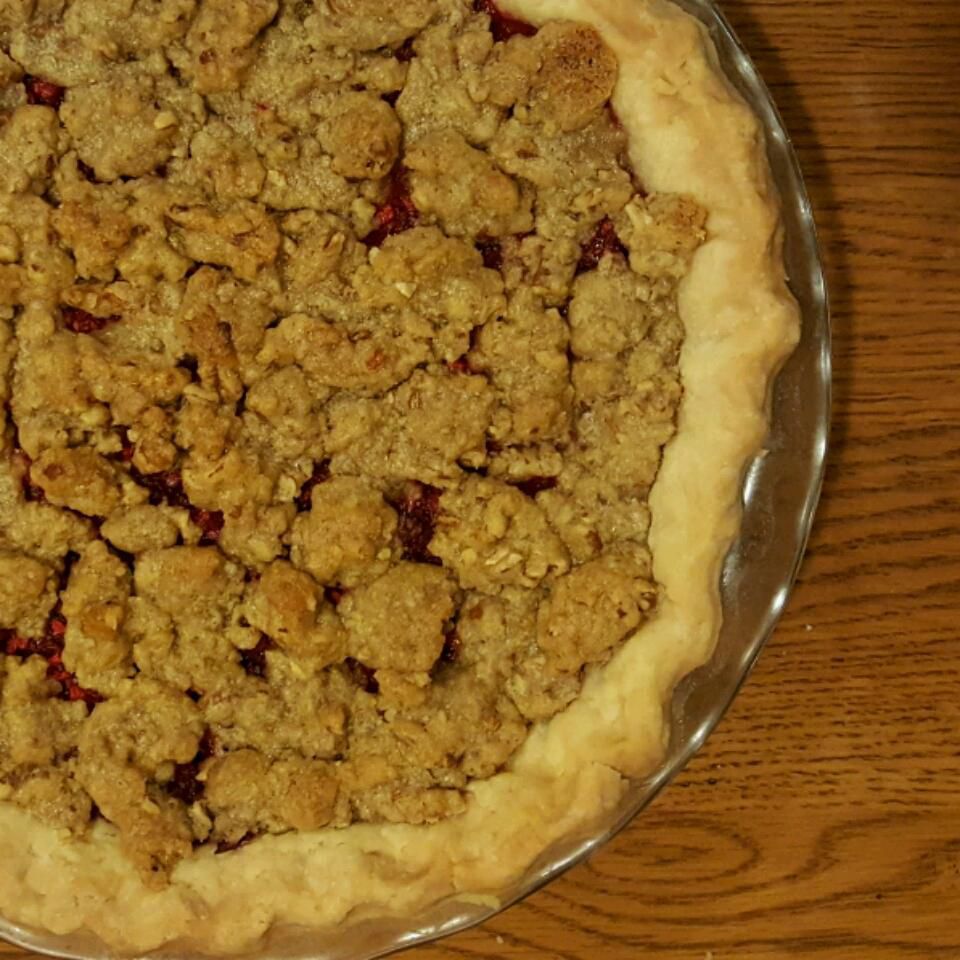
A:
{"x":822,"y":819}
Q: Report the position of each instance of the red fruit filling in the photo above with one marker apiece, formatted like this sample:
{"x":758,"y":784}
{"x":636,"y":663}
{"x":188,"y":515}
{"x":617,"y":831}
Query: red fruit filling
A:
{"x":397,"y":213}
{"x":492,"y":252}
{"x":164,"y":487}
{"x":418,"y":509}
{"x":255,"y":661}
{"x":502,"y":24}
{"x":405,"y":52}
{"x":31,"y":492}
{"x":461,"y":365}
{"x":192,"y":366}
{"x":184,"y":784}
{"x":86,"y":171}
{"x":362,"y":675}
{"x":334,"y":595}
{"x":225,"y":846}
{"x":127,"y":447}
{"x":210,"y":523}
{"x":450,"y":654}
{"x":50,"y":648}
{"x":321,"y":474}
{"x":534,"y":485}
{"x":79,"y":321}
{"x":43,"y":93}
{"x":451,"y":647}
{"x":167,"y":487}
{"x":604,"y":241}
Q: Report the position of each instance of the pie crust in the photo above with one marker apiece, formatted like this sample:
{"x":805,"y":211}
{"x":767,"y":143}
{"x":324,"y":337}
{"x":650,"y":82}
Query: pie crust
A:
{"x":689,"y":133}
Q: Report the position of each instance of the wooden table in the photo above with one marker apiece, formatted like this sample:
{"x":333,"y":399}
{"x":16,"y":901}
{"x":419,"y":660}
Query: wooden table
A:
{"x":822,"y":820}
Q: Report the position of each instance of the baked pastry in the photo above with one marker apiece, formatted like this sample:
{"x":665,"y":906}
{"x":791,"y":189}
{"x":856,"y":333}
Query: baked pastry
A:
{"x":379,"y":387}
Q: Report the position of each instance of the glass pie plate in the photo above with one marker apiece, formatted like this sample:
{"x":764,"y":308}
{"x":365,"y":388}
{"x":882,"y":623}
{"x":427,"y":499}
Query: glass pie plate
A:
{"x":780,"y":492}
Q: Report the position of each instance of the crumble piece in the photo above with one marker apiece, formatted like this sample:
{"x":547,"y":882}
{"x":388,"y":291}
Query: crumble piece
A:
{"x":492,"y":535}
{"x":362,"y":134}
{"x":396,"y":622}
{"x":576,"y":77}
{"x":27,"y":592}
{"x":463,"y":188}
{"x":592,"y":608}
{"x":221,"y":41}
{"x":346,"y":535}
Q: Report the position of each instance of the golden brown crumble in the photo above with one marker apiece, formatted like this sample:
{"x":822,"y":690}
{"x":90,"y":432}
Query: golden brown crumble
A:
{"x":338,"y":349}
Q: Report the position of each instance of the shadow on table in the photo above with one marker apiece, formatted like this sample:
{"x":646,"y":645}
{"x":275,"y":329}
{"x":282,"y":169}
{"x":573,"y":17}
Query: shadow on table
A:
{"x":788,"y":83}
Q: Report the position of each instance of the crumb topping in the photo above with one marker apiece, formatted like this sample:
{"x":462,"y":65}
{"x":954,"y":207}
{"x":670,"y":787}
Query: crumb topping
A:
{"x":338,"y":349}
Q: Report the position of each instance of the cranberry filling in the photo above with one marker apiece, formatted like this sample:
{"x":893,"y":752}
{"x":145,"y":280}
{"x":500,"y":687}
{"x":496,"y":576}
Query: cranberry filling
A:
{"x":70,"y":558}
{"x":451,"y":647}
{"x":461,"y":365}
{"x":127,"y":447}
{"x":397,"y":213}
{"x":210,"y":523}
{"x":334,"y":595}
{"x":192,"y":366}
{"x":167,"y":487}
{"x":534,"y":485}
{"x":79,"y":321}
{"x":50,"y":648}
{"x":164,"y":487}
{"x":184,"y":784}
{"x":492,"y":251}
{"x":321,"y":474}
{"x":450,"y":654}
{"x":418,"y":508}
{"x":604,"y":241}
{"x":86,"y":171}
{"x":361,"y":675}
{"x":43,"y":93}
{"x":502,"y":24}
{"x":31,"y":492}
{"x":405,"y":52}
{"x":254,"y":661}
{"x":127,"y":559}
{"x":225,"y":846}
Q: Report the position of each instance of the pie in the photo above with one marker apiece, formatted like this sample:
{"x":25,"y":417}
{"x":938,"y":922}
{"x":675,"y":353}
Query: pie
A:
{"x":379,"y":381}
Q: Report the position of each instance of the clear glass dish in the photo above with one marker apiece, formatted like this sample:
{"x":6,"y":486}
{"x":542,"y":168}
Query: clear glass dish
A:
{"x":780,"y":494}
